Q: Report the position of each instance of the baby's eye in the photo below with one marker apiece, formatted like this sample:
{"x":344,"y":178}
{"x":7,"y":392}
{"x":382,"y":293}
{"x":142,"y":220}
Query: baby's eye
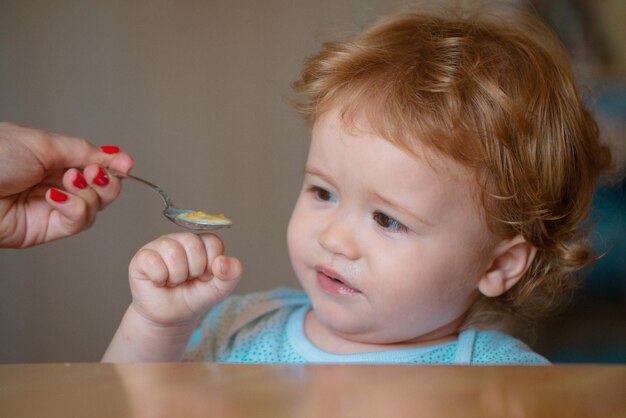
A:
{"x":323,"y":194}
{"x":388,"y":222}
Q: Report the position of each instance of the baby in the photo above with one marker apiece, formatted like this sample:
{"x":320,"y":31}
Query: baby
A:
{"x":451,"y":165}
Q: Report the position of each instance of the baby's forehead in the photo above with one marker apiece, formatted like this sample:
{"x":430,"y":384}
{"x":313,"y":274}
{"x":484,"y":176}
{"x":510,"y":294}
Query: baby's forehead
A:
{"x":358,"y":121}
{"x":358,"y":124}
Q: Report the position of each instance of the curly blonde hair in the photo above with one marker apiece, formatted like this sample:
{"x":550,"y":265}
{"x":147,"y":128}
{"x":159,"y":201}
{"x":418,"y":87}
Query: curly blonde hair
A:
{"x":497,"y":94}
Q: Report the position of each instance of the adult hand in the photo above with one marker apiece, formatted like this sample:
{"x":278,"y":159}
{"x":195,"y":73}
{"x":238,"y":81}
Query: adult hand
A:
{"x":52,"y":186}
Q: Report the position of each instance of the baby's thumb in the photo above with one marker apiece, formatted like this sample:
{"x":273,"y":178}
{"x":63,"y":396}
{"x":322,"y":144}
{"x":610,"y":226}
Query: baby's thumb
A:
{"x":227,"y":272}
{"x":227,"y":268}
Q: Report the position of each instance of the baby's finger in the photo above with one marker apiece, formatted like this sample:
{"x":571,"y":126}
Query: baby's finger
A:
{"x":213,"y":244}
{"x":197,"y":261}
{"x":148,"y":264}
{"x":227,"y":269}
{"x":227,"y":272}
{"x":174,"y":256}
{"x":214,"y":247}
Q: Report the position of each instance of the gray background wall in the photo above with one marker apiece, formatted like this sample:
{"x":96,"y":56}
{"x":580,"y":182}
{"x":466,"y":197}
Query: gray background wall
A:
{"x":196,"y":91}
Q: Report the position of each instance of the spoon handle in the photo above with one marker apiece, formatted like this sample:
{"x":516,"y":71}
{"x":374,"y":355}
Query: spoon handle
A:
{"x":166,"y":199}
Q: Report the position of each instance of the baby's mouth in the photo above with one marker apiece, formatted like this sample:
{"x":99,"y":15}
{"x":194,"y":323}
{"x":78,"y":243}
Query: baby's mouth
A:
{"x":330,"y":273}
{"x":337,"y":281}
{"x":333,"y":282}
{"x":334,"y":279}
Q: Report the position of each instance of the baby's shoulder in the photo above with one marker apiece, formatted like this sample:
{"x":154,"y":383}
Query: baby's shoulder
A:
{"x":239,"y":309}
{"x":495,"y":347}
{"x":281,"y":296}
{"x":236,"y":314}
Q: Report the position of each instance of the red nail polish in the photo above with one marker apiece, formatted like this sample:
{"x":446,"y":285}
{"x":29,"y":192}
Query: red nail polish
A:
{"x":79,"y":181}
{"x":110,"y":149}
{"x":57,"y":195}
{"x":101,"y":178}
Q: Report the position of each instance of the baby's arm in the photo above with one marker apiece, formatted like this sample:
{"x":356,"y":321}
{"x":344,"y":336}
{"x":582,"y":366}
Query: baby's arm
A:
{"x":174,"y":281}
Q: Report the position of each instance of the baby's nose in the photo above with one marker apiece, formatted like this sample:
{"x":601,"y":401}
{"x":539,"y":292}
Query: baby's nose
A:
{"x":339,"y":238}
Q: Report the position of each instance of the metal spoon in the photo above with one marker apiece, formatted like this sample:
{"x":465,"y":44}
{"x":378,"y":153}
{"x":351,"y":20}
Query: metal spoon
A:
{"x":182,"y":217}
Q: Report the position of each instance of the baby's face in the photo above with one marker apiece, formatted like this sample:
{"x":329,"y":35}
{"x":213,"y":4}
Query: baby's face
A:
{"x":389,"y":249}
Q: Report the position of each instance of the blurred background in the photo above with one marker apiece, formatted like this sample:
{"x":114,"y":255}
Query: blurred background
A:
{"x":197,"y":92}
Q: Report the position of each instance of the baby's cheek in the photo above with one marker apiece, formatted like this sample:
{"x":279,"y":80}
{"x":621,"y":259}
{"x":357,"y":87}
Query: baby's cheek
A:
{"x":299,"y":232}
{"x":292,"y":242}
{"x":408,"y":295}
{"x":295,"y":244}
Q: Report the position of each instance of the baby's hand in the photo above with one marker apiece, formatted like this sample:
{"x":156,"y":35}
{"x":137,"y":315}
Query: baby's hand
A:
{"x":177,"y":278}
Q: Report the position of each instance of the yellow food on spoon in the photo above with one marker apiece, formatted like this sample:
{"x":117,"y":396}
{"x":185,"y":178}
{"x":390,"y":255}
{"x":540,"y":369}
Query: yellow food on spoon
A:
{"x":201,"y":216}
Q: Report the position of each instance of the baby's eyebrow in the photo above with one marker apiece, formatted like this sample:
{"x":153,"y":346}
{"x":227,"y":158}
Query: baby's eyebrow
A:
{"x":317,"y":173}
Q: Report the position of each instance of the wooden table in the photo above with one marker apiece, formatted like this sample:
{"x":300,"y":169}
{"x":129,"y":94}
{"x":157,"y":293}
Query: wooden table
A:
{"x":214,"y":390}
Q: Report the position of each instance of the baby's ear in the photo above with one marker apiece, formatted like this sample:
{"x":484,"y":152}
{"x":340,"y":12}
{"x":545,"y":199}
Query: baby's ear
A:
{"x":511,"y":259}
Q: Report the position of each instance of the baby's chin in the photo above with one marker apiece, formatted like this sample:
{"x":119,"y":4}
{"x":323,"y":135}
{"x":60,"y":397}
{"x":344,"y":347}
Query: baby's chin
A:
{"x":385,"y":337}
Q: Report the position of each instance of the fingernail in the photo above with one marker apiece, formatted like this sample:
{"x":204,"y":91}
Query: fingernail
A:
{"x":223,"y":267}
{"x":101,"y":178}
{"x":79,"y":181}
{"x":57,"y":195}
{"x":109,"y":149}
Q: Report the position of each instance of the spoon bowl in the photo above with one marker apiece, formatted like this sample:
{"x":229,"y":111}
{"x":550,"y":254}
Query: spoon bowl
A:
{"x":190,"y":219}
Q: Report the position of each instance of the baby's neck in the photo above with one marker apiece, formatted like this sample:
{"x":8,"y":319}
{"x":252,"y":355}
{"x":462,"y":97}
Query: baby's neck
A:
{"x":326,"y":340}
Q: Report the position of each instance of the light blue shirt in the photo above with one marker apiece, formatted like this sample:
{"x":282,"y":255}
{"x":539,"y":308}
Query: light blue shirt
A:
{"x":268,"y":327}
